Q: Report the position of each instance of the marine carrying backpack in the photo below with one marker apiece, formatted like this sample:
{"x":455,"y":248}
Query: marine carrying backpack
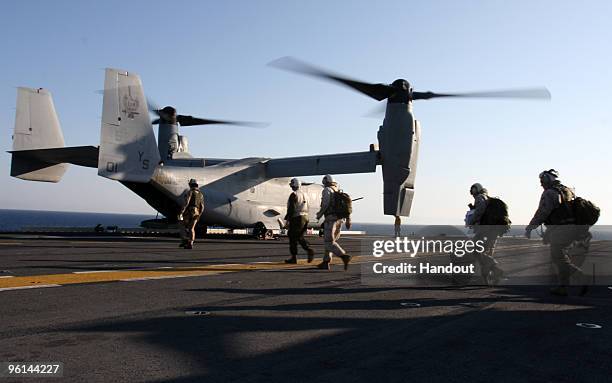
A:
{"x":496,"y":214}
{"x":196,"y":202}
{"x":343,"y":205}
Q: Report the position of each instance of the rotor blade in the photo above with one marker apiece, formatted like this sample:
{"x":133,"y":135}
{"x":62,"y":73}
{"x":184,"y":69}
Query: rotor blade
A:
{"x":526,"y":93}
{"x":192,"y":121}
{"x":152,"y":106}
{"x":376,"y":91}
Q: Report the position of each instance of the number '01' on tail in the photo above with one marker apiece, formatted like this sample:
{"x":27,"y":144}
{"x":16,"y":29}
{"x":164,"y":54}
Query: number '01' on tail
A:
{"x":128,"y":151}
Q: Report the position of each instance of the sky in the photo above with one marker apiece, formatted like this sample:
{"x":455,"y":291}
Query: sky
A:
{"x":208,"y":58}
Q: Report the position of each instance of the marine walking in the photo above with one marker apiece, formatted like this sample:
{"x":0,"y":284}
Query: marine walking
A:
{"x":336,"y":209}
{"x":190,"y":214}
{"x":567,"y":219}
{"x":296,"y":220}
{"x":488,"y":221}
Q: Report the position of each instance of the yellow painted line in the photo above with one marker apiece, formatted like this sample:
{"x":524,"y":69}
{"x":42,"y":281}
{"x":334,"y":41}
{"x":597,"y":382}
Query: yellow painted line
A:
{"x":32,"y":281}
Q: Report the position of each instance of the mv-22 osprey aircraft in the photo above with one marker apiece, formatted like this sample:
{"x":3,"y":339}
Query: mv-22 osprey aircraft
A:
{"x":239,"y":193}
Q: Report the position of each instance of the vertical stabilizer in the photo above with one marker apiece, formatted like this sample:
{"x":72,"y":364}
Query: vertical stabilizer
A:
{"x":36,"y":127}
{"x":128,"y":151}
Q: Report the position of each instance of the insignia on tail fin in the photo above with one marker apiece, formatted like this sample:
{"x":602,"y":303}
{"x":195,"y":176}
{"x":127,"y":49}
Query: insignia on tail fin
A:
{"x":128,"y":151}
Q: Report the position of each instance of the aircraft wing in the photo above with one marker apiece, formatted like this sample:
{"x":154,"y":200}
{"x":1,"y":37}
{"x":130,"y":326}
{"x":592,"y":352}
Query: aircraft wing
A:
{"x":78,"y":155}
{"x":343,"y":163}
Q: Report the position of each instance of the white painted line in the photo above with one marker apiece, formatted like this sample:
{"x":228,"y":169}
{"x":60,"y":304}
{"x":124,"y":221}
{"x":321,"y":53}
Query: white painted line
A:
{"x":27,"y":287}
{"x":154,"y":278}
{"x":93,"y":271}
{"x":589,"y":325}
{"x":6,"y":276}
{"x":199,"y":313}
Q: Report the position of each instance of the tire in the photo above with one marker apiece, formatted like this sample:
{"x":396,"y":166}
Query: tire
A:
{"x":260,"y":230}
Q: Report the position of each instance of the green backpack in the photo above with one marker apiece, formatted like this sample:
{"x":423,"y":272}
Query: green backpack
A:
{"x":342,"y":204}
{"x":196,"y":200}
{"x":496,"y":214}
{"x":585,"y":212}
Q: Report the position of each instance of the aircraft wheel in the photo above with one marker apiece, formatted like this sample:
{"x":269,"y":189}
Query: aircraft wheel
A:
{"x":260,"y":231}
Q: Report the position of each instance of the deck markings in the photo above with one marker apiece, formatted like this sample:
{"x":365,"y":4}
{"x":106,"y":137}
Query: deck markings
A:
{"x":129,"y":275}
{"x":27,"y":287}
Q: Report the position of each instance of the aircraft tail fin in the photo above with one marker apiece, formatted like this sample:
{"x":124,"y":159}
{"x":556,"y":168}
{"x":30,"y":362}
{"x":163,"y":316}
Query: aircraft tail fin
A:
{"x":36,"y":127}
{"x":128,"y":151}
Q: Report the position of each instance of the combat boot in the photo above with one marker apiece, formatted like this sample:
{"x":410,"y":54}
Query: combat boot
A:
{"x":292,"y":260}
{"x":323,"y":265}
{"x":310,"y":255}
{"x":346,"y":259}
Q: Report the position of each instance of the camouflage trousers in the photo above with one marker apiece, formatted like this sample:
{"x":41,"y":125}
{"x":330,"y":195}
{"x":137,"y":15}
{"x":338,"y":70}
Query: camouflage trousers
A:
{"x":563,"y":263}
{"x":297,"y":228}
{"x":331,"y":234}
{"x":485,"y":259}
{"x":560,"y":238}
{"x":188,"y":232}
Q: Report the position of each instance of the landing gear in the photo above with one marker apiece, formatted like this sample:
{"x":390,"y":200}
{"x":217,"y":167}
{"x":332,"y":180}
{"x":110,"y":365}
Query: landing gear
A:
{"x":261,"y":232}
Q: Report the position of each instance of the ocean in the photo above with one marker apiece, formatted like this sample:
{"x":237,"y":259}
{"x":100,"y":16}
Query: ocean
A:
{"x":17,"y":220}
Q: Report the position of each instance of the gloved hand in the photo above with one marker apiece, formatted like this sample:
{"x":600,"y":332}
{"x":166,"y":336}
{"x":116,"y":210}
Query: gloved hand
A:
{"x":180,"y":217}
{"x":528,"y":234}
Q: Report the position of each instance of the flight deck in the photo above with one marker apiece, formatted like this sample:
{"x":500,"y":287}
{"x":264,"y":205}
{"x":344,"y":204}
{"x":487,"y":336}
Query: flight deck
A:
{"x":141,"y":309}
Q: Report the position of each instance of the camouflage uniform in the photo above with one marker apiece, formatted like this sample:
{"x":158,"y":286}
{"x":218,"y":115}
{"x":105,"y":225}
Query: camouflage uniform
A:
{"x":191,"y":212}
{"x":485,"y":233}
{"x":331,"y":225}
{"x":297,"y":216}
{"x":558,"y":234}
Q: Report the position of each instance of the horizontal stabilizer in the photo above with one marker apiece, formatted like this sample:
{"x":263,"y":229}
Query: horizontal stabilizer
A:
{"x":344,"y":163}
{"x":78,"y":155}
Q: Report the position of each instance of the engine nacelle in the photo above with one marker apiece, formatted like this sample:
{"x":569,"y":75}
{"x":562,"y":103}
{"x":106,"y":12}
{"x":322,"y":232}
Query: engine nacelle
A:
{"x":398,"y":140}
